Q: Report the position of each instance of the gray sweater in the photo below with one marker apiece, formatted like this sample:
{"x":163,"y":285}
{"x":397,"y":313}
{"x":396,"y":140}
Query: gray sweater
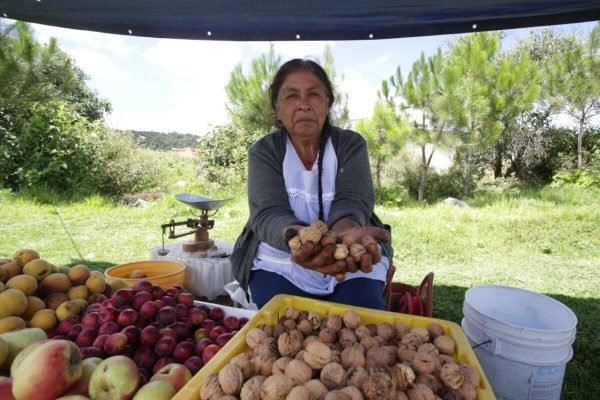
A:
{"x":270,"y":210}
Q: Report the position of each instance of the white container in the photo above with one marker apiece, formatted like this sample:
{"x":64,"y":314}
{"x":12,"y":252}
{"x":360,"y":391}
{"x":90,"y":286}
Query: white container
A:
{"x":522,"y":340}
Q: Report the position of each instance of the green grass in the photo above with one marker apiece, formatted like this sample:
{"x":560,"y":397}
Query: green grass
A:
{"x":546,"y":240}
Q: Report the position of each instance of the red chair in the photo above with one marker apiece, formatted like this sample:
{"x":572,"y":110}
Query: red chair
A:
{"x":408,"y":299}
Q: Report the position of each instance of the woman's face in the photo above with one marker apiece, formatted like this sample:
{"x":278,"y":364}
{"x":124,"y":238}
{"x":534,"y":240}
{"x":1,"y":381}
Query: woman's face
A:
{"x":302,"y":105}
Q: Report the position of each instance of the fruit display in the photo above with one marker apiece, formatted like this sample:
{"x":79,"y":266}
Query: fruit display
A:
{"x":308,"y":349}
{"x":66,"y":332}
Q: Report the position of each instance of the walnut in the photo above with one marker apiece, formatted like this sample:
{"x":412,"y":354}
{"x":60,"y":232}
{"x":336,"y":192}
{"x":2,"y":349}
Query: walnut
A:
{"x":346,"y":337}
{"x":361,"y":331}
{"x":299,"y":393}
{"x":403,"y":376}
{"x":356,"y":251}
{"x":280,"y":364}
{"x":244,"y":360}
{"x":289,"y":343}
{"x":384,"y":355}
{"x":315,"y":319}
{"x":333,"y":376}
{"x":378,"y":386}
{"x":304,"y":327}
{"x":381,"y":341}
{"x":369,"y":342}
{"x":356,"y":375}
{"x":251,"y":388}
{"x":327,"y":335}
{"x":329,"y":238}
{"x":277,"y":329}
{"x":320,"y":226}
{"x":211,"y":389}
{"x":351,"y":319}
{"x":254,"y":336}
{"x":422,"y":332}
{"x":298,"y":371}
{"x":405,"y":354}
{"x":445,"y":344}
{"x":300,"y":356}
{"x":309,"y":234}
{"x":337,"y":395}
{"x":353,"y":392}
{"x":228,"y":397}
{"x":372,"y":329}
{"x":471,"y":374}
{"x":420,"y":392}
{"x":276,"y":387}
{"x":295,"y":243}
{"x":385,"y":330}
{"x":316,"y":388}
{"x":428,"y":348}
{"x":263,"y":364}
{"x":401,"y":329}
{"x":401,"y":395}
{"x":412,"y":341}
{"x":445,"y":359}
{"x":423,"y":363}
{"x":317,"y":355}
{"x":334,"y":322}
{"x":348,"y":240}
{"x":267,"y":347}
{"x":451,"y":376}
{"x":467,"y":391}
{"x":291,"y":312}
{"x":341,"y":251}
{"x":429,"y":380}
{"x":353,"y":355}
{"x":310,"y":339}
{"x":268,"y":329}
{"x":289,"y":324}
{"x":231,"y":378}
{"x":302,"y":314}
{"x":435,"y":330}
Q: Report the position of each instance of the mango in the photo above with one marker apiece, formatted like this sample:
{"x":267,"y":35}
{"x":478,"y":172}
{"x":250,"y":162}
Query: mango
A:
{"x":12,"y":302}
{"x":38,"y":268}
{"x":25,"y":283}
{"x":18,"y":340}
{"x":12,"y":323}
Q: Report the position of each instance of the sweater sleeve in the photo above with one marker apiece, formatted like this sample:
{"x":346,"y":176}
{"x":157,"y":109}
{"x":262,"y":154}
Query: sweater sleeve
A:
{"x":270,"y":210}
{"x":354,"y":195}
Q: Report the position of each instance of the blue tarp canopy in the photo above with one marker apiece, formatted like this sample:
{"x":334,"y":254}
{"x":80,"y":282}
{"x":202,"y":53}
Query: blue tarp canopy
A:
{"x":279,"y":20}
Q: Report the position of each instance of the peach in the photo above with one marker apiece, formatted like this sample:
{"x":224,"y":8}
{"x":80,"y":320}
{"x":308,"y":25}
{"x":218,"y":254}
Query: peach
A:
{"x":12,"y":323}
{"x":25,"y":283}
{"x":34,"y":304}
{"x":44,"y":319}
{"x":53,"y":300}
{"x":12,"y":302}
{"x":54,"y":283}
{"x":95,"y":284}
{"x":78,"y":274}
{"x":23,"y":256}
{"x":11,"y":269}
{"x":78,"y":292}
{"x":38,"y":268}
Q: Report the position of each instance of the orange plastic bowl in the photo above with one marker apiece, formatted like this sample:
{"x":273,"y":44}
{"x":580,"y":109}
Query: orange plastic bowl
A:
{"x":162,"y":273}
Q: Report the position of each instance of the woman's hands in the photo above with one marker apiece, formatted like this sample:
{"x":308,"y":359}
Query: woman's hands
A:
{"x":335,"y":252}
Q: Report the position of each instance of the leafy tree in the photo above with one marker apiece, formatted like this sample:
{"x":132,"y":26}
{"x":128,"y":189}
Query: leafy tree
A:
{"x":164,"y":141}
{"x":473,"y":58}
{"x":426,"y":92}
{"x":248,"y":100}
{"x":385,"y":136}
{"x":576,"y":75}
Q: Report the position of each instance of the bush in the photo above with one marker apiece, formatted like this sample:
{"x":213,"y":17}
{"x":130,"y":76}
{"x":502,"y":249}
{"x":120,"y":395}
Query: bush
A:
{"x":586,"y":177}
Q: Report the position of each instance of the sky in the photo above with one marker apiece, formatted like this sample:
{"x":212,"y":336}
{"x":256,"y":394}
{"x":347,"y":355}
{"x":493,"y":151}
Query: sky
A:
{"x":170,"y":85}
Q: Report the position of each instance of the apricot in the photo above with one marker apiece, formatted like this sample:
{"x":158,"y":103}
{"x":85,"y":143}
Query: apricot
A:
{"x":23,"y":256}
{"x":12,"y":302}
{"x":44,"y":319}
{"x":78,"y":274}
{"x":25,"y":283}
{"x":38,"y":268}
{"x":55,"y":282}
{"x":34,"y":304}
{"x":12,"y":323}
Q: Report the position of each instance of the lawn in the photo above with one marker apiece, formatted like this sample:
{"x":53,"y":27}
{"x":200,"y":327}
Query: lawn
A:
{"x":546,"y":240}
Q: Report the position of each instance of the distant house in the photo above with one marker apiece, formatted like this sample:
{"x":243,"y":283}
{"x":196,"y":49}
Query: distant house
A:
{"x":188,"y":152}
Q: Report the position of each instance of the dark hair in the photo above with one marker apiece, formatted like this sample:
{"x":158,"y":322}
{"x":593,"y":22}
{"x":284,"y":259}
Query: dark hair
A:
{"x":296,"y":65}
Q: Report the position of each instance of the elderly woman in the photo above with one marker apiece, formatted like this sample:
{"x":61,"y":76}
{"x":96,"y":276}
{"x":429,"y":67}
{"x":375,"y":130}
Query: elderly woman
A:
{"x":309,"y":170}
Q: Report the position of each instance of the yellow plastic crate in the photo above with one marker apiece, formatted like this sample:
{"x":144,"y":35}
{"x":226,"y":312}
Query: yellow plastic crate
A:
{"x":275,"y":308}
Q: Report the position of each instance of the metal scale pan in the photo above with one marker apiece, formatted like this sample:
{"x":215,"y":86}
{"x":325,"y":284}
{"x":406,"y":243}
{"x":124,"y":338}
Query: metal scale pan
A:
{"x":201,"y":202}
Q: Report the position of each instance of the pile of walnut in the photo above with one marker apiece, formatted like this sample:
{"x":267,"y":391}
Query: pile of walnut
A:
{"x":318,"y":233}
{"x":307,"y":357}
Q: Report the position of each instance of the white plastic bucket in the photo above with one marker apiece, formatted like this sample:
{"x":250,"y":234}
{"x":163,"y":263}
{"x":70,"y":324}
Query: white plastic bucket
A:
{"x":522,"y":340}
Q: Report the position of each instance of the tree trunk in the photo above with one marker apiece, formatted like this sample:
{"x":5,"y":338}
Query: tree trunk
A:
{"x":467,"y":180}
{"x":423,"y":177}
{"x":497,"y":161}
{"x":580,"y":141}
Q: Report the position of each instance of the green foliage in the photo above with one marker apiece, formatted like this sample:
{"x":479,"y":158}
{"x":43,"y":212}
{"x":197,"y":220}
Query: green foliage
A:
{"x":587,"y":177}
{"x":223,"y":156}
{"x":164,"y":141}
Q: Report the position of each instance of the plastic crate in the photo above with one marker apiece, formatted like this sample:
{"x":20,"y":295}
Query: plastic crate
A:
{"x":275,"y":308}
